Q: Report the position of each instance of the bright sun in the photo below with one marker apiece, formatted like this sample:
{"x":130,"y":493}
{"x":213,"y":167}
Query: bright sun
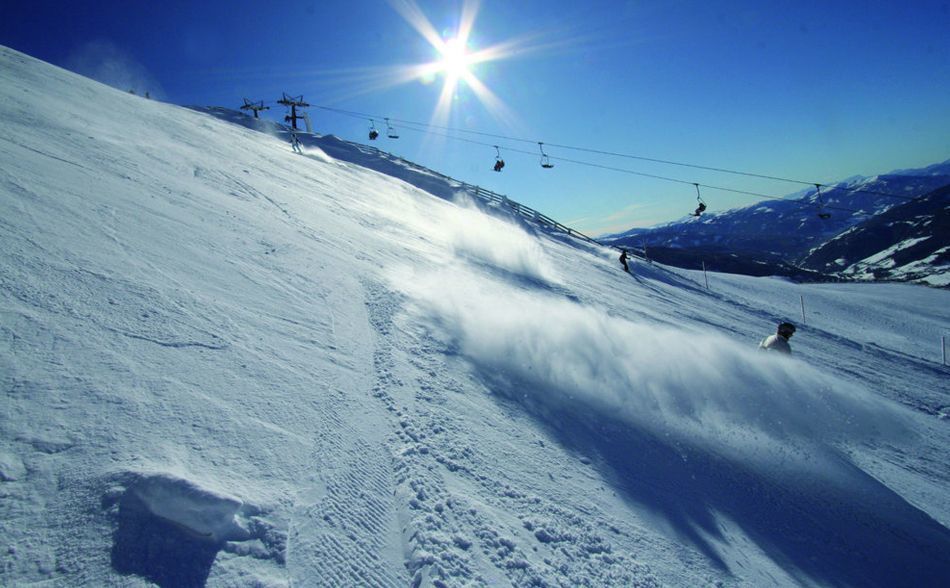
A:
{"x":455,"y":58}
{"x":454,"y":61}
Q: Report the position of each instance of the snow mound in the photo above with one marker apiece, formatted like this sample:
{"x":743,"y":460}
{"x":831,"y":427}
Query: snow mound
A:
{"x":203,"y":512}
{"x":11,"y":467}
{"x":171,"y":529}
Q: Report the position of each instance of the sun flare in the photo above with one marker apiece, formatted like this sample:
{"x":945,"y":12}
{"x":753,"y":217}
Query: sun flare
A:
{"x":455,"y":58}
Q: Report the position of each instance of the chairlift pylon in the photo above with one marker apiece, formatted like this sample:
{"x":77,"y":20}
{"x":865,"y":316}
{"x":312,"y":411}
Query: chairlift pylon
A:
{"x":256,"y":107}
{"x":390,"y":131}
{"x":499,"y":162}
{"x":701,"y":205}
{"x":545,"y":160}
{"x":822,"y":214}
{"x":292,"y":103}
{"x":373,"y":133}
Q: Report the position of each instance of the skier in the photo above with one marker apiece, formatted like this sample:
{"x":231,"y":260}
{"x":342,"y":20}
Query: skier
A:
{"x":779,"y":341}
{"x":623,"y":260}
{"x":295,"y":142}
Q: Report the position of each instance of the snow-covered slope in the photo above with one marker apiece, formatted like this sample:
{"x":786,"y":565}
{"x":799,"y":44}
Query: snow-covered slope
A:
{"x":224,"y":363}
{"x":340,"y":150}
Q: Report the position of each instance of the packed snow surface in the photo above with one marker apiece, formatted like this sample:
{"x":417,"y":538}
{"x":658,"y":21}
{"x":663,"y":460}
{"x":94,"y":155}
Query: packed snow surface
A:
{"x":227,"y":364}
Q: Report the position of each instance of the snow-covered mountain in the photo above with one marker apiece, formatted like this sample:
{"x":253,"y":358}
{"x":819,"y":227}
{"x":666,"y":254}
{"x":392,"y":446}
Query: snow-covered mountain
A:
{"x":908,"y":243}
{"x":781,"y":233}
{"x":226,"y":364}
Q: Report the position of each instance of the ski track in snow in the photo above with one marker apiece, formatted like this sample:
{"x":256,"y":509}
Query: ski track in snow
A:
{"x":455,"y":524}
{"x":225,"y":364}
{"x":343,"y":520}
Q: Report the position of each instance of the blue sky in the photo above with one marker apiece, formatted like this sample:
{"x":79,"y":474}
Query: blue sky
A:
{"x":803,"y":90}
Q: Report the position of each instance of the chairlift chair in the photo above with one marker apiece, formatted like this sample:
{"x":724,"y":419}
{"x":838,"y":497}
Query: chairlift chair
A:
{"x":822,"y":213}
{"x":373,"y":133}
{"x":701,"y":206}
{"x":499,"y":162}
{"x":545,"y":160}
{"x":390,"y":131}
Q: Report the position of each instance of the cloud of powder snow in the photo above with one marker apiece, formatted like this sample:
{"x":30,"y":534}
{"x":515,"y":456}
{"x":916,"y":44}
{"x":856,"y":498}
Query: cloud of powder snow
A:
{"x":497,"y":242}
{"x":471,"y":236}
{"x":105,"y":62}
{"x":667,"y":381}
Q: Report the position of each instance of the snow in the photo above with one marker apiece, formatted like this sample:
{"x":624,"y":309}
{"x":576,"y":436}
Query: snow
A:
{"x":201,"y":511}
{"x":936,"y":275}
{"x":227,"y":364}
{"x":882,"y":258}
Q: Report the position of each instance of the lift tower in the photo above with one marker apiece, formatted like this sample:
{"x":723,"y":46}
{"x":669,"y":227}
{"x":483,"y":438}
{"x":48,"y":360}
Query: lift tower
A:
{"x":293,"y":102}
{"x":255,"y":106}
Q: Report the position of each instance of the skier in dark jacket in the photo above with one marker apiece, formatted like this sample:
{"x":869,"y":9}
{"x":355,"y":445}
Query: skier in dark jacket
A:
{"x":623,"y":260}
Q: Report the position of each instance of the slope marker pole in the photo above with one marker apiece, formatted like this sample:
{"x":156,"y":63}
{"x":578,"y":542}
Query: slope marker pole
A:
{"x":705,"y":277}
{"x":802,"y":297}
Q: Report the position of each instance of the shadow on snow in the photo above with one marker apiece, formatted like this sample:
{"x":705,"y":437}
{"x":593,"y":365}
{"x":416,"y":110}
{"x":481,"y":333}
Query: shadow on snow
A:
{"x":854,"y":531}
{"x":158,"y":549}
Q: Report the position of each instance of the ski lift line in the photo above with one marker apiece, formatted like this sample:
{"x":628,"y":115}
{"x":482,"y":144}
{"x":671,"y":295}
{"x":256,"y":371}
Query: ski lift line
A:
{"x":499,"y":198}
{"x":629,"y":156}
{"x":872,"y":192}
{"x":698,"y":185}
{"x":635,"y":173}
{"x":663,"y":161}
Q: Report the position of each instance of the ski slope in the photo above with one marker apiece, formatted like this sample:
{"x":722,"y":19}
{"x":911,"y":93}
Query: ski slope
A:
{"x":227,"y":364}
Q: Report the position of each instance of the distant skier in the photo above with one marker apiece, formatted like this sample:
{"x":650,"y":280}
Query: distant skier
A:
{"x":779,"y":341}
{"x":623,"y":260}
{"x":295,"y":142}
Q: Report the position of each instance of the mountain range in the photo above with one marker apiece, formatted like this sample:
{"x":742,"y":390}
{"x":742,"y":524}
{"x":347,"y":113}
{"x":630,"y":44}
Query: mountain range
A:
{"x":794,"y":236}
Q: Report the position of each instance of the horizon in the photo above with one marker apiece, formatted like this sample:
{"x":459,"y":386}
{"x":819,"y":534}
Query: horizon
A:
{"x":768,"y":89}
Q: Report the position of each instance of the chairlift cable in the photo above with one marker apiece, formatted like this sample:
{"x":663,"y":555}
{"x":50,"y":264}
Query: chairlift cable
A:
{"x":636,"y":173}
{"x":426,"y":126}
{"x":629,"y":156}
